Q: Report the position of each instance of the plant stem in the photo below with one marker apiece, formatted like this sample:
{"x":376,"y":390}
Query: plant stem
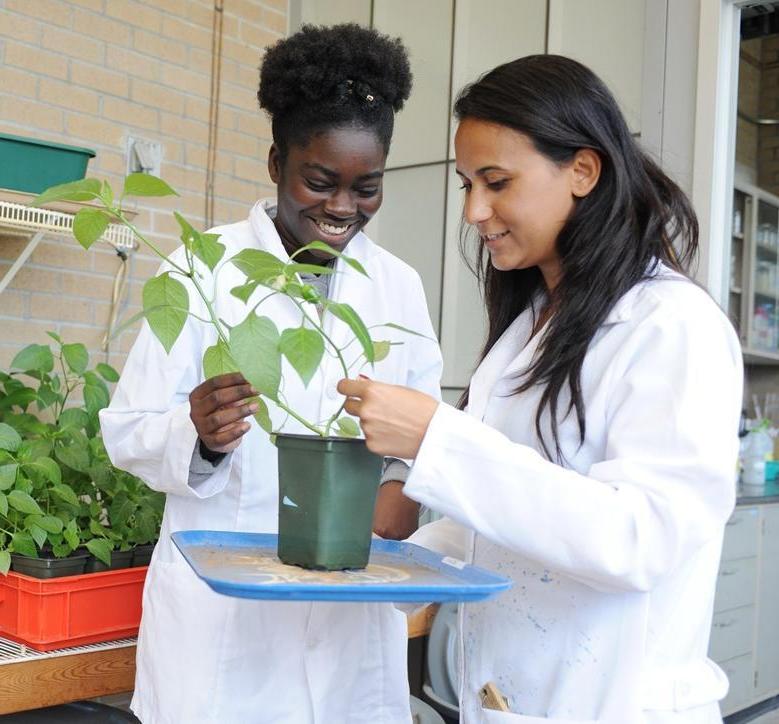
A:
{"x":119,"y":215}
{"x":341,"y":359}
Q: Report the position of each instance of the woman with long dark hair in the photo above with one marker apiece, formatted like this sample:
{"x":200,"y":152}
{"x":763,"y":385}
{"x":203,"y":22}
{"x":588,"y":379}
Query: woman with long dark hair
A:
{"x":594,"y":458}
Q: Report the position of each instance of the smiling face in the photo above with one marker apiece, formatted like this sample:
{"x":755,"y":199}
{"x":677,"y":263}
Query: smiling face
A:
{"x":328,"y":189}
{"x":517,"y":198}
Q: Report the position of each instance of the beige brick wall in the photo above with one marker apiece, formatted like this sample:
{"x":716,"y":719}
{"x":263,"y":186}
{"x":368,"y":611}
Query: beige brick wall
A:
{"x":90,"y":73}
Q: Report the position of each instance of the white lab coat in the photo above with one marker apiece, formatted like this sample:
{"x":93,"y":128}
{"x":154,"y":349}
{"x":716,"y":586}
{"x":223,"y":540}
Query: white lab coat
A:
{"x":613,"y":556}
{"x":204,"y":657}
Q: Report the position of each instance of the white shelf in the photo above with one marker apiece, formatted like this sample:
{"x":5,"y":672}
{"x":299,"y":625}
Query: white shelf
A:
{"x":13,"y":653}
{"x":18,"y":218}
{"x":16,"y":215}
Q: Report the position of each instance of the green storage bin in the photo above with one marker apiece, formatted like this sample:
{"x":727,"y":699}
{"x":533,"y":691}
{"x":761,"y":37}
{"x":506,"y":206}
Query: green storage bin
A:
{"x":27,"y":164}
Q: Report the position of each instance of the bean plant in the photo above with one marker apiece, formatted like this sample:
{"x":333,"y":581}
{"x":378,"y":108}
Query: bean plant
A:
{"x":58,"y":489}
{"x":255,"y":346}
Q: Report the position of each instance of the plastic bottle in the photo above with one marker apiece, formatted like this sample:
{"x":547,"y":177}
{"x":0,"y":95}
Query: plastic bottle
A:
{"x":756,"y":447}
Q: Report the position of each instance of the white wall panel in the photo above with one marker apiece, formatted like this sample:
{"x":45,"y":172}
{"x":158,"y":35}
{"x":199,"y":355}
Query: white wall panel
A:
{"x":608,"y":37}
{"x":481,"y":43}
{"x":410,"y":224}
{"x":426,"y":29}
{"x":329,"y":12}
{"x":463,"y":318}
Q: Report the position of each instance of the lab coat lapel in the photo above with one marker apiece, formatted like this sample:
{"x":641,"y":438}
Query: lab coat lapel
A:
{"x":502,"y":357}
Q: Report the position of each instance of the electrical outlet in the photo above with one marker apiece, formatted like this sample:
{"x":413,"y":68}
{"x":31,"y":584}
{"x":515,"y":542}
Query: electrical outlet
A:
{"x":143,"y":156}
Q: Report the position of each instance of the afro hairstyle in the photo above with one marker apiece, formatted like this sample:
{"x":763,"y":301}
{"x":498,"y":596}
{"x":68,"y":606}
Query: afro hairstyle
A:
{"x":326,"y":77}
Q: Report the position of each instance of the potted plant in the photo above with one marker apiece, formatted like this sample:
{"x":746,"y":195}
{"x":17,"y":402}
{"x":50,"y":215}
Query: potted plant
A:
{"x":329,"y":476}
{"x":57,"y":486}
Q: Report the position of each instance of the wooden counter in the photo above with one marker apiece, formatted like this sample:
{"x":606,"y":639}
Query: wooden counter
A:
{"x":70,"y":676}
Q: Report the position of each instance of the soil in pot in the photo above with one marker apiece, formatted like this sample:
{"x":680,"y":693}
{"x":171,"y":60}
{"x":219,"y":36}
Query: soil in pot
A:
{"x":46,"y":566}
{"x":327,"y":493}
{"x":119,"y":559}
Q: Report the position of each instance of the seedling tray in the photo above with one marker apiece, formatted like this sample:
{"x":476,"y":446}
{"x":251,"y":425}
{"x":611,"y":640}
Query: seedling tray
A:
{"x":245,"y":565}
{"x":71,"y":611}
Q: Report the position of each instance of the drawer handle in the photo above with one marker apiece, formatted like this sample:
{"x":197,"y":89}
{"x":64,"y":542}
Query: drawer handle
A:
{"x":727,"y":624}
{"x":734,"y":521}
{"x":728,"y":573}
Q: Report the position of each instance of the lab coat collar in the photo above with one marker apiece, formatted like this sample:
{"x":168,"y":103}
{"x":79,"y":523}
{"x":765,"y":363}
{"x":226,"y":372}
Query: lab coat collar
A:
{"x":622,"y":311}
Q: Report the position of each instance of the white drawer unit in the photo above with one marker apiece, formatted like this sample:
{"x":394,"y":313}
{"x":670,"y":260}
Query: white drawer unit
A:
{"x":736,"y":584}
{"x":742,"y":537}
{"x":739,"y":673}
{"x":732,"y":633}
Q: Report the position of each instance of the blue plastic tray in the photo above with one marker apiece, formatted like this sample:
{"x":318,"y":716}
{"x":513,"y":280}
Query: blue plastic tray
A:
{"x":245,"y":565}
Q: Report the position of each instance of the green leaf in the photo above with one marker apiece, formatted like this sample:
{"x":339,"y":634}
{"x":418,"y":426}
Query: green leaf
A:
{"x":321,"y":246}
{"x":304,"y":349}
{"x":263,"y":416}
{"x":23,"y":502}
{"x":258,"y":266}
{"x":347,"y":427}
{"x":55,"y":337}
{"x":144,"y":184}
{"x":107,"y":194}
{"x":95,"y":398}
{"x":83,"y":190}
{"x":295,"y":268}
{"x":73,"y":418}
{"x":9,"y":438}
{"x":205,"y":247}
{"x":100,"y":549}
{"x":37,"y":357}
{"x":217,"y":361}
{"x":47,"y":397}
{"x":8,"y":475}
{"x":381,"y":350}
{"x":38,"y":534}
{"x":165,"y":302}
{"x":107,"y":372}
{"x":244,"y":291}
{"x":71,"y":534}
{"x":76,"y":356}
{"x":5,"y":562}
{"x":75,"y":456}
{"x":24,"y":544}
{"x":346,"y":313}
{"x":19,"y":398}
{"x":50,"y":524}
{"x":89,"y":225}
{"x":392,"y":325}
{"x":66,"y":493}
{"x":3,"y":504}
{"x":49,"y":468}
{"x":254,"y":345}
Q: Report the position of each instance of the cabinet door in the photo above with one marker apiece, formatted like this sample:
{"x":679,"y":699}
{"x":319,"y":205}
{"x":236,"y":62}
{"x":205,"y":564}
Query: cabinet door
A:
{"x":767,"y":644}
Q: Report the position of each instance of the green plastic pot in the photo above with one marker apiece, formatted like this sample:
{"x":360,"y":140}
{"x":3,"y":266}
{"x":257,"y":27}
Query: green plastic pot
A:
{"x":327,"y":493}
{"x":27,"y":164}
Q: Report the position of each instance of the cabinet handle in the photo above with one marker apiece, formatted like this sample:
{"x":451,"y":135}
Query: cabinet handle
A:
{"x":728,"y":573}
{"x":727,"y":624}
{"x":734,"y":521}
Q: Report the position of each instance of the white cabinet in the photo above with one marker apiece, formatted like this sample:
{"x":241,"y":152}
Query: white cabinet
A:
{"x":767,"y":638}
{"x":745,"y":627}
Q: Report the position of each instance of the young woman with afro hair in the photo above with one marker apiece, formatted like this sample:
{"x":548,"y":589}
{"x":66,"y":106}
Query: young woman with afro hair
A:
{"x":331,"y":94}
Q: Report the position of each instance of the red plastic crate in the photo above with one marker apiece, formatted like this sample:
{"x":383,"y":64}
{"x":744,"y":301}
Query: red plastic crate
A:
{"x":53,"y":613}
